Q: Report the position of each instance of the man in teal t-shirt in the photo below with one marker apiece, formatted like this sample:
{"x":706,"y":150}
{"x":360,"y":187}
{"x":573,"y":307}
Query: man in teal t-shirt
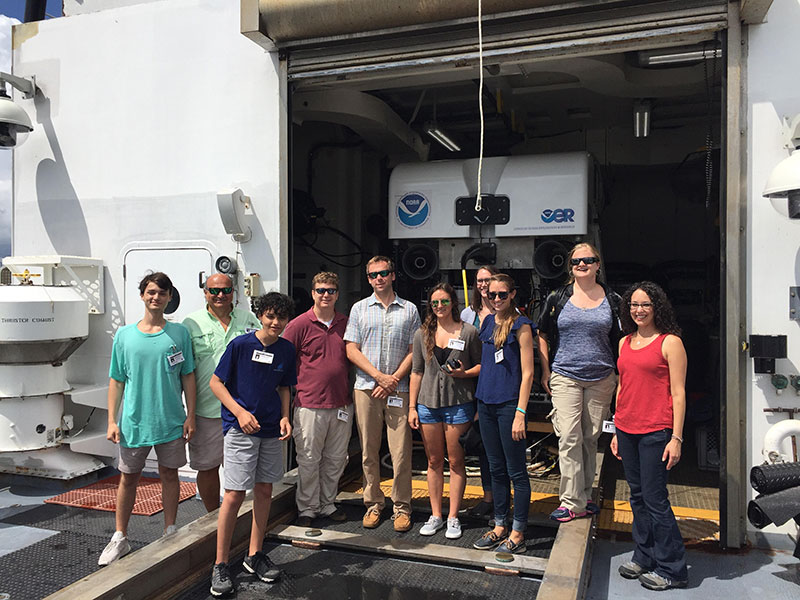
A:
{"x":212,"y":328}
{"x":151,"y":364}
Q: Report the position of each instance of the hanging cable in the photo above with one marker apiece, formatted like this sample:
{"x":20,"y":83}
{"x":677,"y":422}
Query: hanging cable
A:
{"x":478,"y":197}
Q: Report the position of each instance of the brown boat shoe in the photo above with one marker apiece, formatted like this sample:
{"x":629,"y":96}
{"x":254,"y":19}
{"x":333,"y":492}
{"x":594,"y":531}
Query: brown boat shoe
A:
{"x":402,"y":522}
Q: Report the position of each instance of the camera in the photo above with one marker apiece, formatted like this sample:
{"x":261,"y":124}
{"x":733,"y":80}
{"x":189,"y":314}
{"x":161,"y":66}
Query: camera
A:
{"x":8,"y":134}
{"x":13,"y":120}
{"x":451,"y":364}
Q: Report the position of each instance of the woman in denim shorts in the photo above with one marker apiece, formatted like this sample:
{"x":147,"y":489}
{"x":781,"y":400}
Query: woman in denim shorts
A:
{"x":446,"y":361}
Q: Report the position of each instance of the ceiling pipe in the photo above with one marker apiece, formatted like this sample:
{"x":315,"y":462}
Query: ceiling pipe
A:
{"x":372,"y":119}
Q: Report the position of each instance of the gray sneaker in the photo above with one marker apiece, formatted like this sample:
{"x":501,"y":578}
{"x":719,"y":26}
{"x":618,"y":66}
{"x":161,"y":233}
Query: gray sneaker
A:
{"x":453,"y":529}
{"x":116,"y":548}
{"x":262,"y":567}
{"x":432,"y":525}
{"x":631,"y":570}
{"x":221,"y":582}
{"x":654,"y":581}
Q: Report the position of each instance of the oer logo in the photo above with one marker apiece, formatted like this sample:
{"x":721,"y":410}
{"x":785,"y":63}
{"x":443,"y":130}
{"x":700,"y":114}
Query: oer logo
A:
{"x":559,"y":215}
{"x":413,"y":210}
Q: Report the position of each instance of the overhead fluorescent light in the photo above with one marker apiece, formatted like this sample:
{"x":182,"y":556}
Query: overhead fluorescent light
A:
{"x":688,"y":56}
{"x":433,"y":130}
{"x":641,"y":118}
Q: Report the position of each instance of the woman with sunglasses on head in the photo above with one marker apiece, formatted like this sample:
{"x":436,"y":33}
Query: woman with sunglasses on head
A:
{"x":479,"y":304}
{"x":651,"y":405}
{"x":579,"y":330}
{"x":504,"y":387}
{"x":478,"y":309}
{"x":446,"y":360}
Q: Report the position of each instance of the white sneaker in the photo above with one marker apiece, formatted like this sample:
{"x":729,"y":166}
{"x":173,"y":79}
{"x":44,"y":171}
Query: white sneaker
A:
{"x":169,"y":530}
{"x":432,"y":525}
{"x":453,"y":529}
{"x":116,"y":548}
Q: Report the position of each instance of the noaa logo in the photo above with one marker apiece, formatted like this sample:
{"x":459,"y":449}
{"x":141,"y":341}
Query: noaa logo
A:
{"x":413,"y":210}
{"x":559,"y":215}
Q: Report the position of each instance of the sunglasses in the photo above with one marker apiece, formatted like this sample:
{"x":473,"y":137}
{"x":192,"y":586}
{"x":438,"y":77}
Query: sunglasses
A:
{"x":436,"y":303}
{"x":637,"y":305}
{"x":376,"y":274}
{"x":587,"y":260}
{"x":330,"y":291}
{"x":501,"y":295}
{"x":215,"y":291}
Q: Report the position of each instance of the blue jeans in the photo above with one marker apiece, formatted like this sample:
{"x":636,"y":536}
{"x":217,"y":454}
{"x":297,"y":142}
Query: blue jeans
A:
{"x":486,"y":476}
{"x":659,"y":545}
{"x":507,"y":463}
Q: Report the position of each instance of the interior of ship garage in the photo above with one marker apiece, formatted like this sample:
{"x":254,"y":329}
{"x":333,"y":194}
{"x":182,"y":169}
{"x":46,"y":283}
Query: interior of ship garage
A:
{"x":634,"y":90}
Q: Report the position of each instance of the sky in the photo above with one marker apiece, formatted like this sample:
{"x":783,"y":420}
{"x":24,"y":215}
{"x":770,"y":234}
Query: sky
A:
{"x":11,"y":12}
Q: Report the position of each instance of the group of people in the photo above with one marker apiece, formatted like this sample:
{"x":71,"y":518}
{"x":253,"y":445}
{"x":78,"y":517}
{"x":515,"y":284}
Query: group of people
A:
{"x":456,"y":371}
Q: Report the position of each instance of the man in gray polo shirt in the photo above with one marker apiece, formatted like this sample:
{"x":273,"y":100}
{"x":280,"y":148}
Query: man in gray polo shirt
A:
{"x":211,"y":329}
{"x":379,"y":337}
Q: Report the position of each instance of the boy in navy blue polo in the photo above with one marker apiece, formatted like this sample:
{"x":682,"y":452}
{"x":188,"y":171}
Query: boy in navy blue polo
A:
{"x":252,"y":381}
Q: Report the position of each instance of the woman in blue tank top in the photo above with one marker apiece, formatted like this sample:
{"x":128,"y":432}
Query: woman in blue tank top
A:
{"x":504,"y":387}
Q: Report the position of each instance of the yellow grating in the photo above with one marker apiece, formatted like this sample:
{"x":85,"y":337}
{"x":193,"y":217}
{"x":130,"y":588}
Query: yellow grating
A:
{"x":695,"y":524}
{"x":540,"y":502}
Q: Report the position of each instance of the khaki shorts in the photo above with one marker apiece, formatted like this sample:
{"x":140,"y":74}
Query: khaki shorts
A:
{"x":250,"y":460}
{"x":171,"y":455}
{"x":205,"y":447}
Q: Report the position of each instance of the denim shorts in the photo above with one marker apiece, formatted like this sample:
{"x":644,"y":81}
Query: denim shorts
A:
{"x":452,"y":415}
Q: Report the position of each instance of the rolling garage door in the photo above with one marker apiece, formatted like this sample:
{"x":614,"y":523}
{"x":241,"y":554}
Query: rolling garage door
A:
{"x":356,"y":43}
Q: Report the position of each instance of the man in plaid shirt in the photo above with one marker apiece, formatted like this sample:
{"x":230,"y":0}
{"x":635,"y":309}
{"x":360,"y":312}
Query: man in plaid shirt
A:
{"x":379,"y":340}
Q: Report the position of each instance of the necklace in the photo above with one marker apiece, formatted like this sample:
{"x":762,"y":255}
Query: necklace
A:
{"x":640,"y":339}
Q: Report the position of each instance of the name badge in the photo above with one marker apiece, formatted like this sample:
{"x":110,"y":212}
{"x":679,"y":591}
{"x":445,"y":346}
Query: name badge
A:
{"x":394,"y":401}
{"x":343,"y":415}
{"x":609,"y":427}
{"x":260,"y":356}
{"x":250,"y":329}
{"x":175,"y":359}
{"x":455,"y":344}
{"x":498,"y":356}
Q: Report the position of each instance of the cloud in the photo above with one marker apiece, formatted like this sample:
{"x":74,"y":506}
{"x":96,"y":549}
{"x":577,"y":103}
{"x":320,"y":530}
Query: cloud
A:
{"x":5,"y":155}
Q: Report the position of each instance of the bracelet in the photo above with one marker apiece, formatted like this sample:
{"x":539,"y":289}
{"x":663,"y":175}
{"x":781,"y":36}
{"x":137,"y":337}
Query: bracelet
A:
{"x":675,"y":437}
{"x":522,"y":410}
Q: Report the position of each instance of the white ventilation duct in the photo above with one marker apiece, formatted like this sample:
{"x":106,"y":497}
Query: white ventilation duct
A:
{"x":369,"y":117}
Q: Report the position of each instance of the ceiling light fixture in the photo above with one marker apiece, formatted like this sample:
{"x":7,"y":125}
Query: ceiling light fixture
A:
{"x":433,"y":130}
{"x":675,"y":57}
{"x":641,"y":118}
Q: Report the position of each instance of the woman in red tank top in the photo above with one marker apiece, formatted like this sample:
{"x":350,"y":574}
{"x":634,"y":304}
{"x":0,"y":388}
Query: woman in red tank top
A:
{"x":651,"y":403}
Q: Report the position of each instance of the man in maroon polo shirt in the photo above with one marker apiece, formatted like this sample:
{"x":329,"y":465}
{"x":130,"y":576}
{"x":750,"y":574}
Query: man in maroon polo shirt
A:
{"x":323,"y":408}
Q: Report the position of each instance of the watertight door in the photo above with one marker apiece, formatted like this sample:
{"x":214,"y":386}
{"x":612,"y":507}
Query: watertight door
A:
{"x":186,"y":267}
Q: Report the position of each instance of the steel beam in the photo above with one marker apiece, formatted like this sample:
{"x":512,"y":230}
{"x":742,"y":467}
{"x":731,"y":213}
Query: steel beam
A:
{"x":733,"y":207}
